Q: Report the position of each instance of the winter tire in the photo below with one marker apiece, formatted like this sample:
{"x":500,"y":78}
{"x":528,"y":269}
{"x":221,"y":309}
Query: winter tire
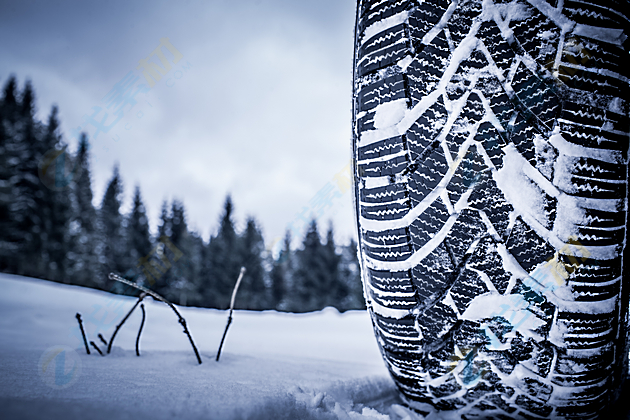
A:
{"x":490,"y":141}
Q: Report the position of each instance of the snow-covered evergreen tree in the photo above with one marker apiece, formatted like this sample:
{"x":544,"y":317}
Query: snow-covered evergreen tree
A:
{"x":112,"y":258}
{"x":281,"y":275}
{"x":9,"y":237}
{"x":336,"y":290}
{"x":83,"y":224}
{"x":222,"y":263}
{"x":310,"y":281}
{"x":253,"y":293}
{"x":55,"y":209}
{"x":138,"y":236}
{"x":350,"y":273}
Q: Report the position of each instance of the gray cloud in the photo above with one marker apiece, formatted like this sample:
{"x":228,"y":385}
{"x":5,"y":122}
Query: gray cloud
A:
{"x":259,"y":106}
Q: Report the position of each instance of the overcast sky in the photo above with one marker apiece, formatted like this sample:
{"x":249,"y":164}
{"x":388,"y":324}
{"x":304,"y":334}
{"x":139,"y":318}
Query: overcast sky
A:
{"x":259,"y":105}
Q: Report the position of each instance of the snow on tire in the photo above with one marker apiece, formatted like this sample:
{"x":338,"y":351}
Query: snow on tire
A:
{"x":491,"y":144}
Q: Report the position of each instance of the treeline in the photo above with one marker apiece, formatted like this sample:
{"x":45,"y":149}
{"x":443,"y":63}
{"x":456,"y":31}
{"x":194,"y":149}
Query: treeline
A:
{"x":50,"y":229}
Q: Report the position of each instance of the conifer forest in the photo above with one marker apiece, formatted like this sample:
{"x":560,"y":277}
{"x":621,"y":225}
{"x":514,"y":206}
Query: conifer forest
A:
{"x":50,"y":228}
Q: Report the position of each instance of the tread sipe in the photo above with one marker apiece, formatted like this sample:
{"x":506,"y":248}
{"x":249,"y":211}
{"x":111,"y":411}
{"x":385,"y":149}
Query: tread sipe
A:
{"x":491,"y":167}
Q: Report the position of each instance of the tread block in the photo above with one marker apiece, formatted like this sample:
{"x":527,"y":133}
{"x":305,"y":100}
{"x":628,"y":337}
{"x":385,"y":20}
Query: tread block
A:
{"x":601,"y":119}
{"x":466,"y":229}
{"x":426,"y":128}
{"x":392,"y":192}
{"x":575,"y":371}
{"x":584,"y":331}
{"x":493,"y":142}
{"x":596,"y":138}
{"x":537,"y":35}
{"x":383,"y":58}
{"x":428,"y":175}
{"x":431,"y":277}
{"x":590,"y":13}
{"x":386,"y":90}
{"x":468,"y":285}
{"x":486,"y":259}
{"x":389,"y":211}
{"x":536,"y":96}
{"x":427,"y":67}
{"x":381,"y":148}
{"x":488,"y":197}
{"x":428,"y":224}
{"x":597,"y":169}
{"x":591,"y":53}
{"x":502,"y":107}
{"x":499,"y":49}
{"x":461,"y":21}
{"x":376,"y":10}
{"x":593,"y":82}
{"x":392,"y":237}
{"x":594,"y":188}
{"x":366,"y":122}
{"x":527,"y":247}
{"x":522,"y":134}
{"x":388,"y":37}
{"x":425,"y":17}
{"x":469,"y":173}
{"x":383,"y":168}
{"x":436,"y":321}
{"x":399,"y":281}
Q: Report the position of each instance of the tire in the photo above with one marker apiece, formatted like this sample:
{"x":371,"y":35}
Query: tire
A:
{"x":490,"y":149}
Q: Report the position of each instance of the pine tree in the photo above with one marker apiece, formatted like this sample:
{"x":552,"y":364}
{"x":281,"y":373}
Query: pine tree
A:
{"x":253,"y":293}
{"x":309,"y":288}
{"x":56,"y":204}
{"x":195,"y":258}
{"x":281,"y":276}
{"x":111,"y":230}
{"x":9,"y":238}
{"x":138,"y":237}
{"x":159,"y":279}
{"x":177,"y":249}
{"x":222,"y":263}
{"x":30,"y":208}
{"x":84,"y":225}
{"x":164,"y":229}
{"x":350,"y":272}
{"x":334,"y":288}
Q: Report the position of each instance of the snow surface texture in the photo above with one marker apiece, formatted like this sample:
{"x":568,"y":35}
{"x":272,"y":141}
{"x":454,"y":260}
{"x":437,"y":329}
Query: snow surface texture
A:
{"x":322,"y":365}
{"x":491,"y":144}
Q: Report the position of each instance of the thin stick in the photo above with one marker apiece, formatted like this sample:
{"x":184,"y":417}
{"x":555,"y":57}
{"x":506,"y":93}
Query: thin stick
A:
{"x":87,"y":348}
{"x":100,"y":336}
{"x":111,"y":340}
{"x":96,"y":347}
{"x":229,"y":321}
{"x":182,"y":321}
{"x":140,"y":331}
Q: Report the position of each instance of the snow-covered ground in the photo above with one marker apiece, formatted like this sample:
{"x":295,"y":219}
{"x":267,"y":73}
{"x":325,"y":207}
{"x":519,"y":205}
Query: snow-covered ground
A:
{"x":323,"y":365}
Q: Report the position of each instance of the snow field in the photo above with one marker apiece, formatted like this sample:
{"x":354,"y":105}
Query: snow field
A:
{"x":322,"y":365}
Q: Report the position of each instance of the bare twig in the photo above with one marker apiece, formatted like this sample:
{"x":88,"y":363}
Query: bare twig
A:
{"x":111,"y":340}
{"x":96,"y":347}
{"x":140,"y":331}
{"x":100,"y":336}
{"x":229,"y":321}
{"x":182,"y":321}
{"x":87,"y":348}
